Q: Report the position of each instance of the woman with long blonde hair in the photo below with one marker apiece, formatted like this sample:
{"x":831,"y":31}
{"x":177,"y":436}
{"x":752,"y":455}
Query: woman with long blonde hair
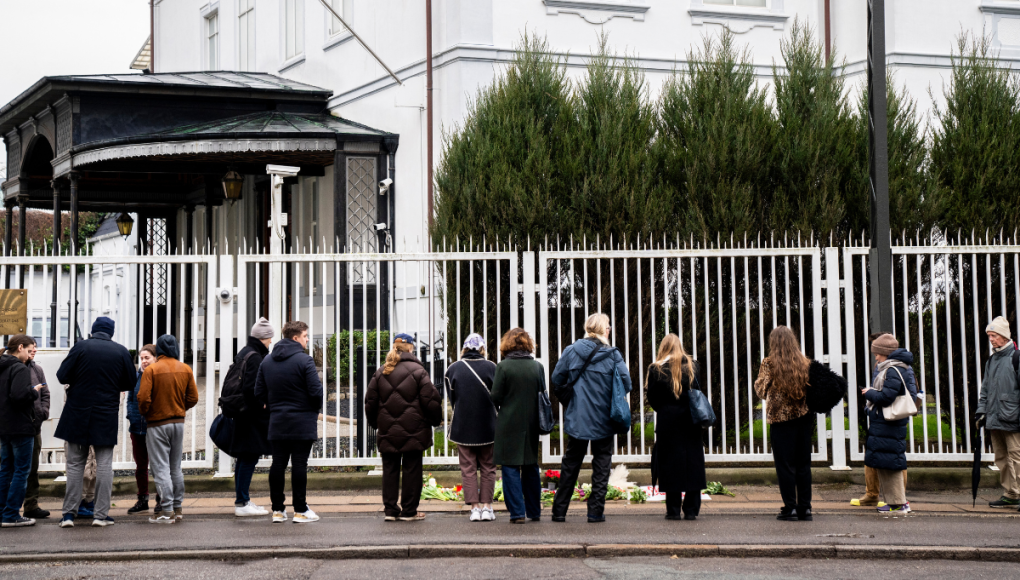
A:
{"x":403,"y":405}
{"x":678,"y":457}
{"x":782,"y":384}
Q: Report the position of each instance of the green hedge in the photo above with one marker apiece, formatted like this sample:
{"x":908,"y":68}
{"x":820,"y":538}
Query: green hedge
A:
{"x":341,"y":371}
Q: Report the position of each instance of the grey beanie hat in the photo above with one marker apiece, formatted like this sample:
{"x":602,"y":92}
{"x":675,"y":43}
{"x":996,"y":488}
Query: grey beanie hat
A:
{"x":1000,"y":326}
{"x":262,"y":329}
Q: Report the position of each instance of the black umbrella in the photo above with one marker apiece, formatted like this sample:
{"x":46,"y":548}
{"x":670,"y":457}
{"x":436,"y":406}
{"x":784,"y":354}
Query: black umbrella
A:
{"x":975,"y":476}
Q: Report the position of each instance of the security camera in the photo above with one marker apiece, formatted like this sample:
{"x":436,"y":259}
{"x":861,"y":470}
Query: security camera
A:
{"x":384,"y":186}
{"x":381,"y":226}
{"x":226,"y":295}
{"x":282,"y":170}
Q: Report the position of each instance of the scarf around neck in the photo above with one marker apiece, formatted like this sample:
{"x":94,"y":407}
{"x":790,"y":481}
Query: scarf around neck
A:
{"x":883,"y":367}
{"x":519,"y":354}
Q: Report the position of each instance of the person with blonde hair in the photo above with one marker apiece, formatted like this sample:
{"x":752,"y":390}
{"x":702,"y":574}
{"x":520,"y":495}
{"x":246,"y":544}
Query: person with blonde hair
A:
{"x":782,"y":382}
{"x":583,"y":382}
{"x":518,"y":379}
{"x":678,"y":456}
{"x":403,"y":405}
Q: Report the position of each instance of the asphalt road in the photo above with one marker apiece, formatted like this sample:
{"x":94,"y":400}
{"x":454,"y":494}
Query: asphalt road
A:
{"x":645,"y":568}
{"x":225,"y":532}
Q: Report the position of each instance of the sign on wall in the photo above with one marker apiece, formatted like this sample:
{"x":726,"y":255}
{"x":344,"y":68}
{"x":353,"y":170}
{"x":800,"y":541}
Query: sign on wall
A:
{"x":13,"y":312}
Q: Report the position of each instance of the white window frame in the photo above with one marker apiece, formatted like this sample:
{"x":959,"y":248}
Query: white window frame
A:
{"x":246,"y":18}
{"x":733,"y":4}
{"x":292,"y":32}
{"x":209,"y":12}
{"x":739,"y":19}
{"x":337,"y":37}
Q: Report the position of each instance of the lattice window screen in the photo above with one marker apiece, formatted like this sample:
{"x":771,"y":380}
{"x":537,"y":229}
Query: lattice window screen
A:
{"x":156,"y":273}
{"x":361,"y":213}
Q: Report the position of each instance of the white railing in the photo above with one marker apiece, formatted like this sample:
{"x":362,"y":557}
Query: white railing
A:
{"x":722,"y":299}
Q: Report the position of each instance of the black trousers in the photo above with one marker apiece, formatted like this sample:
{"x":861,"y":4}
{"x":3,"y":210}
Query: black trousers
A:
{"x":296,"y":452}
{"x":677,"y":504}
{"x":791,"y":450}
{"x":394,"y":465}
{"x":601,"y":463}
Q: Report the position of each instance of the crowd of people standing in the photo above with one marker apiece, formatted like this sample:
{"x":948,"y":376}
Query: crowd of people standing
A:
{"x":275,"y":399}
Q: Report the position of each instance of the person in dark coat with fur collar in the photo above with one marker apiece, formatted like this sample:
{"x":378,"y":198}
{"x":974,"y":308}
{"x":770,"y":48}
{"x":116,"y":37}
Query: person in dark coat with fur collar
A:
{"x":403,"y":405}
{"x":678,"y":457}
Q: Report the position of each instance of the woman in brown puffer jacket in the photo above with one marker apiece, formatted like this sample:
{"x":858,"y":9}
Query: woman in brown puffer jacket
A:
{"x":403,"y":405}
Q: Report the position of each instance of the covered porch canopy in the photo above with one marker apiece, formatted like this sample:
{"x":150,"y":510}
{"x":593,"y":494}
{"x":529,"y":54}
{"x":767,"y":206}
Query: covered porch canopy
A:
{"x":157,"y":144}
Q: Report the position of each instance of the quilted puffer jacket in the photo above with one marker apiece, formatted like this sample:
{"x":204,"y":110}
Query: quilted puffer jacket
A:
{"x":403,"y":406}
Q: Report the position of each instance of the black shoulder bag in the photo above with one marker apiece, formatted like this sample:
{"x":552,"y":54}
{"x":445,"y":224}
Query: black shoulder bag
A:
{"x":565,"y":392}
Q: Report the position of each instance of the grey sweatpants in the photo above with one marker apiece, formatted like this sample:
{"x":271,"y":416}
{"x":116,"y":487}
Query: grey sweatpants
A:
{"x":165,"y":444}
{"x":75,"y":457}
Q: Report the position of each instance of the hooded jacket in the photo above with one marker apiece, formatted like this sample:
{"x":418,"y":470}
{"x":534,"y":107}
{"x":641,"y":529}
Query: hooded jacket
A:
{"x":1000,"y":392}
{"x":96,"y":371}
{"x":168,"y":388}
{"x":288,"y":385}
{"x":17,"y":398}
{"x":42,"y":404}
{"x":587,"y":414}
{"x":404,"y":406}
{"x":886,"y":446}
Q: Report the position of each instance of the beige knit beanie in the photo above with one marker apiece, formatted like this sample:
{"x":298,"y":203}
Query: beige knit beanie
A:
{"x":262,"y":329}
{"x":885,"y":345}
{"x":1000,"y":326}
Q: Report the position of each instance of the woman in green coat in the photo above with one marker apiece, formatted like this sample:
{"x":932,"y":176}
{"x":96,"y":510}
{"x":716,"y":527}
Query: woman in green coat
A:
{"x":515,"y":388}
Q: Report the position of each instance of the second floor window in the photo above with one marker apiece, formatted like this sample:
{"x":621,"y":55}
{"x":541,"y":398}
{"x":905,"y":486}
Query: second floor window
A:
{"x":335,"y":26}
{"x":246,"y":35}
{"x":212,"y":38}
{"x":293,"y":28}
{"x":756,"y":3}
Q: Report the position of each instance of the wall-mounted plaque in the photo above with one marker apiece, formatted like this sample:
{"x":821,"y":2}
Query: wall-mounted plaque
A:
{"x":13,"y":312}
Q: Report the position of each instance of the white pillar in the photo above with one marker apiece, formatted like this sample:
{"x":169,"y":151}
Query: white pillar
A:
{"x":277,"y":222}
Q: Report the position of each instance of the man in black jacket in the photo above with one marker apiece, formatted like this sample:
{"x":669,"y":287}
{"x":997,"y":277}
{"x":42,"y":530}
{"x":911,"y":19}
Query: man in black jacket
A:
{"x":288,"y":385}
{"x":42,"y":413}
{"x":97,"y":371}
{"x":251,"y":428}
{"x":17,"y":430}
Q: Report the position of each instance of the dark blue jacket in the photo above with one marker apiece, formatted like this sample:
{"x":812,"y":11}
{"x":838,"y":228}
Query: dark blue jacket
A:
{"x":17,"y":398}
{"x":136,"y":422}
{"x":886,"y":447}
{"x":587,"y":415}
{"x":251,"y":429}
{"x":97,"y":371}
{"x":289,"y":386}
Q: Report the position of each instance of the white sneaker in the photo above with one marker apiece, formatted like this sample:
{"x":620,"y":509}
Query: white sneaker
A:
{"x":476,"y":515}
{"x":248,"y":510}
{"x":488,"y":515}
{"x":162,"y":520}
{"x":279,"y":517}
{"x":305,"y":518}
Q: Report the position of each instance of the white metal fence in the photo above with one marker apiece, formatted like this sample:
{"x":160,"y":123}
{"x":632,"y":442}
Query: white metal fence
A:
{"x":722,"y":299}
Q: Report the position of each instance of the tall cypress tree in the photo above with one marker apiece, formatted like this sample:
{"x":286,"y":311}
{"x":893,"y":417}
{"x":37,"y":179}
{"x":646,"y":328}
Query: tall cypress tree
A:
{"x":816,"y":139}
{"x":715,"y":141}
{"x":975,"y":151}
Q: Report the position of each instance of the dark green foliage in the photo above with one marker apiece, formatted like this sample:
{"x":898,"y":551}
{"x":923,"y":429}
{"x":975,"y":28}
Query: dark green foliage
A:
{"x":815,"y":144}
{"x":715,"y":142}
{"x":975,"y":151}
{"x":504,"y":170}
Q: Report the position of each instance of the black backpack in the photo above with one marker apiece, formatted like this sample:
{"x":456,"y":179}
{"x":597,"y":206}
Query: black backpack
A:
{"x":232,"y":395}
{"x":825,"y":388}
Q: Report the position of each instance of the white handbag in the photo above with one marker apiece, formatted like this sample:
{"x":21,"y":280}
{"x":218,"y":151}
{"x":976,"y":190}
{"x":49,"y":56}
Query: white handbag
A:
{"x":903,"y":406}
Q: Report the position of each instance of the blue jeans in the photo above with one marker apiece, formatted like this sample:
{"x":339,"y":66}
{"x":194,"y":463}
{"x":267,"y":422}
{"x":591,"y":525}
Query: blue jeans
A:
{"x":244,"y":468}
{"x":522,"y":491}
{"x":15,"y":463}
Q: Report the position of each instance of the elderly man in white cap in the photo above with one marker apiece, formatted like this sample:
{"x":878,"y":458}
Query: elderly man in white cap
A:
{"x":251,"y":427}
{"x":999,"y":410}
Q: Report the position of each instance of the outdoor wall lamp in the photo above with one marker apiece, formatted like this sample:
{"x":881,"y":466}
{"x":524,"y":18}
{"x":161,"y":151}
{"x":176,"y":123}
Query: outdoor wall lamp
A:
{"x":232,"y":183}
{"x":124,"y":224}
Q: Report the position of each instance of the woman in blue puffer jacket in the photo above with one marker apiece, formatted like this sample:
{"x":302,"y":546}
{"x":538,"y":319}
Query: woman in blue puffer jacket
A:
{"x":136,"y":428}
{"x":886,"y":447}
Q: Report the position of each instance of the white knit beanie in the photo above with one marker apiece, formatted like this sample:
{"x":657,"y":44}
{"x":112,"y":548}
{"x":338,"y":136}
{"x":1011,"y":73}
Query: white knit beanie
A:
{"x":1000,"y":326}
{"x":262,"y":329}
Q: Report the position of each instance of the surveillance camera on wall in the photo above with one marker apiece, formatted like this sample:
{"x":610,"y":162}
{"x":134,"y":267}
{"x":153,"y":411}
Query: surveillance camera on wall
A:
{"x":381,"y":226}
{"x":282,"y":170}
{"x":384,"y":186}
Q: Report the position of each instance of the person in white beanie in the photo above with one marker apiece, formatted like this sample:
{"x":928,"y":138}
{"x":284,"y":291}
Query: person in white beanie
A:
{"x":999,"y":410}
{"x":251,"y":428}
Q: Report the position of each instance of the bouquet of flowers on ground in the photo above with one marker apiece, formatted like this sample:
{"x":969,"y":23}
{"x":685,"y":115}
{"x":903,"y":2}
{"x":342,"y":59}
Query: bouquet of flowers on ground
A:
{"x":429,"y":490}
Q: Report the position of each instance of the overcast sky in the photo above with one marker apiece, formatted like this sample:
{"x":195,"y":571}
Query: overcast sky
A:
{"x":59,"y":37}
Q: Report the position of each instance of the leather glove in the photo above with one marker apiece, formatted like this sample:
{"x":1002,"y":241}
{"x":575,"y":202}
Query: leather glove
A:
{"x":979,"y":420}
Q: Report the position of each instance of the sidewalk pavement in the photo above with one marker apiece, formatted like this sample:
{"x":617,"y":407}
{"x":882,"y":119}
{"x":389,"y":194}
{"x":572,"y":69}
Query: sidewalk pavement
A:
{"x":747,"y":500}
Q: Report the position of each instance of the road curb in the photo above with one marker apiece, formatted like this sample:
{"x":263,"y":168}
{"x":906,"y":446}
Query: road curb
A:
{"x":426,"y":551}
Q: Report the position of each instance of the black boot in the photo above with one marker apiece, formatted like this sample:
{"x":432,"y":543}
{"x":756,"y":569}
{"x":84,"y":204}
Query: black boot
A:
{"x":158,"y":508}
{"x":141,"y":506}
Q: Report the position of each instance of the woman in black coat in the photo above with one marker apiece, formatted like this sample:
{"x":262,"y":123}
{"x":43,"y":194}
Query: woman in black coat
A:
{"x":678,"y":457}
{"x":251,"y":428}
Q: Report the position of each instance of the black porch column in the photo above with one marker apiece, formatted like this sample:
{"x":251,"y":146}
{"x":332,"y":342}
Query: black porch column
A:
{"x":8,"y":227}
{"x":56,"y":252}
{"x":340,"y":228}
{"x":384,"y":243}
{"x":189,"y":272}
{"x":72,"y":303}
{"x":22,"y":200}
{"x":211,"y":187}
{"x":73,"y":176}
